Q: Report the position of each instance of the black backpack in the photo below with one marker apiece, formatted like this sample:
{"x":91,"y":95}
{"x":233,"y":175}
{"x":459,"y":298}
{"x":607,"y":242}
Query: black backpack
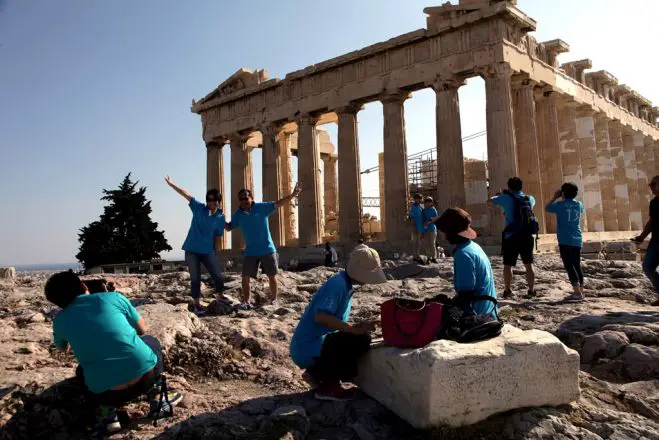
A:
{"x":525,"y":221}
{"x":460,"y":322}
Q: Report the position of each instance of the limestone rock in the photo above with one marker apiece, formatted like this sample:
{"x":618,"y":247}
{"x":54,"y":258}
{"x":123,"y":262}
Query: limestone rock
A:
{"x":447,"y":383}
{"x":288,"y":422}
{"x":605,"y":344}
{"x":165,"y":322}
{"x":7,"y":272}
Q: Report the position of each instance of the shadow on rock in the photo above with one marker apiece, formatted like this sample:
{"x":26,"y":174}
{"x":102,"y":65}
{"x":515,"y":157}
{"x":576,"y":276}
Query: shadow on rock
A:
{"x":60,"y":411}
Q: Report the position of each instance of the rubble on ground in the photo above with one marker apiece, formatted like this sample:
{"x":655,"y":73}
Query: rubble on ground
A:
{"x":239,"y":382}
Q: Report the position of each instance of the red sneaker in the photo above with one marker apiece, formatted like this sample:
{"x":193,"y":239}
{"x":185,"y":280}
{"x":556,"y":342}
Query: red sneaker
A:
{"x":333,"y":391}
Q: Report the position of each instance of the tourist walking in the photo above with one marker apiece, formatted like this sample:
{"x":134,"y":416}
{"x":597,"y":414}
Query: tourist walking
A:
{"x":324,"y":343}
{"x":203,"y":240}
{"x":416,"y":216}
{"x":651,"y":260}
{"x":429,"y":229}
{"x":472,"y":271}
{"x":252,"y":220}
{"x":117,"y":361}
{"x":331,"y":257}
{"x":569,"y":214}
{"x":518,"y":236}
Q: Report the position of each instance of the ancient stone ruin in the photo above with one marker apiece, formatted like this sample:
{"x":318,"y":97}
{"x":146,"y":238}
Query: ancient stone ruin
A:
{"x":546,"y":122}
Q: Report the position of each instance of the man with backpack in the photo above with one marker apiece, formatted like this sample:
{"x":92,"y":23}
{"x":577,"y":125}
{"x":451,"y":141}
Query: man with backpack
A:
{"x":518,"y":236}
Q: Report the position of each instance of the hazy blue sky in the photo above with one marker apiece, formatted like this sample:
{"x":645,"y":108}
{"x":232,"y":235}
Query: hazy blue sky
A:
{"x":91,"y":90}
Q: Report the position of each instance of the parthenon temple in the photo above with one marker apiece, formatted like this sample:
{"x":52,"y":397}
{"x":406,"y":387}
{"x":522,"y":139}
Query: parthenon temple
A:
{"x":546,"y":122}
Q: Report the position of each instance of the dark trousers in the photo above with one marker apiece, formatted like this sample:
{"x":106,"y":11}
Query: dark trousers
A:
{"x":650,"y":264}
{"x":571,"y":256}
{"x":145,"y":384}
{"x":339,"y":357}
{"x":194,"y":261}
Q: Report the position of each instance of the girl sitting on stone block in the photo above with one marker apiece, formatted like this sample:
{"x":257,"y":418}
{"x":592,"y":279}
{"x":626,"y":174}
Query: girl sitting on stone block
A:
{"x":324,"y":343}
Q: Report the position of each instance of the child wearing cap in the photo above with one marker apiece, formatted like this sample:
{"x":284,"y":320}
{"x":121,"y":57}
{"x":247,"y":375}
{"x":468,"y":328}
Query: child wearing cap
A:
{"x":471,"y":267}
{"x":324,"y":343}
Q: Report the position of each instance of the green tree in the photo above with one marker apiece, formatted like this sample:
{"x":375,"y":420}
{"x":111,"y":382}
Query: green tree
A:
{"x":124,"y":233}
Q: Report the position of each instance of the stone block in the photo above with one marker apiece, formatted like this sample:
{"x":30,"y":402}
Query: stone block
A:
{"x":7,"y":272}
{"x":447,"y":383}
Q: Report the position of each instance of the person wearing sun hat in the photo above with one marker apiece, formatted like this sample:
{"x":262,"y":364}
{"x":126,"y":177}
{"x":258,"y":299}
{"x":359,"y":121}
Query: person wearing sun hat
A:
{"x":324,"y":343}
{"x":471,"y":267}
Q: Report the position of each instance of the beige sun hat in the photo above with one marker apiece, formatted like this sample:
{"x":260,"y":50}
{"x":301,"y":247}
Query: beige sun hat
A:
{"x":364,"y":266}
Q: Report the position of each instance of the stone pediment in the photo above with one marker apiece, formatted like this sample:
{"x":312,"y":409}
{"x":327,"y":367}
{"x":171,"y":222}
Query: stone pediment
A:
{"x":241,"y":80}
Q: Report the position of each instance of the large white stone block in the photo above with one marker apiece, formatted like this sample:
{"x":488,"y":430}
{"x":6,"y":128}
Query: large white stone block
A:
{"x":7,"y":272}
{"x":447,"y":383}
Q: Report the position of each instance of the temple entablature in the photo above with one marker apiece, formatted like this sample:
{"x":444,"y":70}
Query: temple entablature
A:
{"x":602,"y":82}
{"x":552,"y":49}
{"x":576,"y":69}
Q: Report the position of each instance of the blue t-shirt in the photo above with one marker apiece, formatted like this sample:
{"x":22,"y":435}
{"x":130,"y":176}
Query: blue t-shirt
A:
{"x":509,"y":204}
{"x":428,"y":214}
{"x":568,"y":219}
{"x":255,"y":227}
{"x":100,"y":330}
{"x":473,"y":271}
{"x":334,"y":298}
{"x":203,"y":229}
{"x":416,"y":214}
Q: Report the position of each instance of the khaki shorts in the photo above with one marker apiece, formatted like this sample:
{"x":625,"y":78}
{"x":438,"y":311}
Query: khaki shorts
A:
{"x":268,"y":263}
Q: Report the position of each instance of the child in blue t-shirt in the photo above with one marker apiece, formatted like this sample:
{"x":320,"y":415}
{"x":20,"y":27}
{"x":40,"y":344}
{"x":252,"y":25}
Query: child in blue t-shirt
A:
{"x":569,"y":213}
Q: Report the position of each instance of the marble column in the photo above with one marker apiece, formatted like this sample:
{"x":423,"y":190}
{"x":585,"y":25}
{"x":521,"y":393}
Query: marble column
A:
{"x":501,"y":142}
{"x":551,"y":168}
{"x":330,"y":184}
{"x":383,"y":200}
{"x":605,"y":171}
{"x":350,"y":193}
{"x":241,"y":177}
{"x":286,"y":187}
{"x":631,"y":175}
{"x":528,"y":155}
{"x":215,"y":173}
{"x":641,"y":172}
{"x":591,"y":193}
{"x":570,"y":157}
{"x":396,"y":187}
{"x":619,"y":176}
{"x":476,"y":192}
{"x":272,"y":191}
{"x":450,"y":159}
{"x":649,"y":168}
{"x":308,"y":156}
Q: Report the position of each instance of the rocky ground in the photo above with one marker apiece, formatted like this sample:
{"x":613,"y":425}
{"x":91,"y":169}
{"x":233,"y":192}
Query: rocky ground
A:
{"x":239,"y":382}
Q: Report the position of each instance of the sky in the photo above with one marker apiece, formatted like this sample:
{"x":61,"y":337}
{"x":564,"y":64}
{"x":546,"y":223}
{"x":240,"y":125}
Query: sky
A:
{"x":92,"y":90}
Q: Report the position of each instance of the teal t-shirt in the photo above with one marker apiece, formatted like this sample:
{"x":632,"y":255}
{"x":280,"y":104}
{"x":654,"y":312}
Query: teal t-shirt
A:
{"x":255,"y":227}
{"x":99,"y":328}
{"x":428,"y":214}
{"x":568,"y":219}
{"x":334,"y":298}
{"x":203,"y":229}
{"x":416,"y":214}
{"x":509,"y":204}
{"x":473,"y":271}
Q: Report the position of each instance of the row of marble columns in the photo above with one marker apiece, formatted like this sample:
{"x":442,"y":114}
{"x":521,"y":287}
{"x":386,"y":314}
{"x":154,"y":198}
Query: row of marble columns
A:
{"x":532,"y":132}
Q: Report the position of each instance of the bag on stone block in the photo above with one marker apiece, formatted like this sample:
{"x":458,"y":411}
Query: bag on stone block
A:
{"x":408,"y":323}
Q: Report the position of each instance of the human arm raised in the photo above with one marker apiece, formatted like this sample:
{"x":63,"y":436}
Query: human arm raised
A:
{"x":179,"y":190}
{"x":291,"y":196}
{"x":557,"y":195}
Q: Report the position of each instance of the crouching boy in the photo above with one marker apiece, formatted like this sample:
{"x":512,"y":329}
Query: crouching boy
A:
{"x":116,"y":365}
{"x":324,"y":343}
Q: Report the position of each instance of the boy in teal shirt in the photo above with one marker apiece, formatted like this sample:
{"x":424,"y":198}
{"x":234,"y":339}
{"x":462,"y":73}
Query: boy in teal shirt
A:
{"x":103,"y":329}
{"x":569,"y":213}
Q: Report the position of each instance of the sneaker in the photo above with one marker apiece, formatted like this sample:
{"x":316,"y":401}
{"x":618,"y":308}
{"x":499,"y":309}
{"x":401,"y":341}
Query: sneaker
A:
{"x":244,"y":306}
{"x":508,"y":294}
{"x":110,"y":421}
{"x":333,"y":392}
{"x":575,"y":297}
{"x":531,"y":294}
{"x":174,"y":398}
{"x":199,"y":311}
